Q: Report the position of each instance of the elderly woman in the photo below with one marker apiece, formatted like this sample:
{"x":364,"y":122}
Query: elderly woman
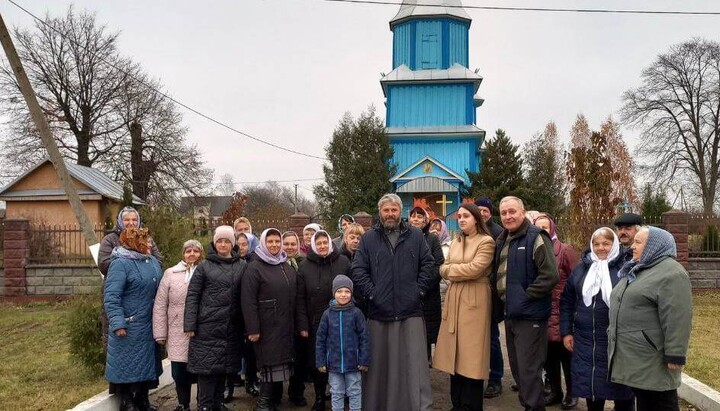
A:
{"x":213,"y":318}
{"x":308,"y":232}
{"x":463,"y":347}
{"x":131,"y":365}
{"x":650,"y":321}
{"x":269,"y":299}
{"x":419,"y":218}
{"x":584,"y":318}
{"x":246,"y":245}
{"x":315,"y":277}
{"x":168,"y":316}
{"x":557,"y":355}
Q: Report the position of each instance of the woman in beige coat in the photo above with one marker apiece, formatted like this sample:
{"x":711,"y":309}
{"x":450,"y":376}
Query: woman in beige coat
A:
{"x":463,"y":345}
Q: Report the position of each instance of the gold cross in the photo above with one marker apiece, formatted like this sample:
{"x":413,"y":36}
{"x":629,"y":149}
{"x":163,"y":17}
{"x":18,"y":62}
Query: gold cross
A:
{"x":444,"y":202}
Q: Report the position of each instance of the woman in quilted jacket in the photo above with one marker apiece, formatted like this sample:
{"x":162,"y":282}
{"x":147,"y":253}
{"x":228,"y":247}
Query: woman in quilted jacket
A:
{"x":168,"y":316}
{"x":132,"y":364}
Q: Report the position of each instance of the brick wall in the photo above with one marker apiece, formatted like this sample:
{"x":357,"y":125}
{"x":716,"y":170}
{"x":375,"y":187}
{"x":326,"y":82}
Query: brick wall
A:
{"x":704,"y":272}
{"x":2,"y":281}
{"x":66,"y":280}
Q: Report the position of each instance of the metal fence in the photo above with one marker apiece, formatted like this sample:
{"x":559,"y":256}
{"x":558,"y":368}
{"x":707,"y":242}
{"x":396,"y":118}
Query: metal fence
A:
{"x":60,"y":245}
{"x":578,"y":234}
{"x":704,"y":236}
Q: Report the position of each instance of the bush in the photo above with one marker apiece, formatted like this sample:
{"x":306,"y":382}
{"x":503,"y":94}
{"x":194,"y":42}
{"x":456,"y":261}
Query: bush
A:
{"x":169,"y":230}
{"x":84,"y":331}
{"x":711,"y":239}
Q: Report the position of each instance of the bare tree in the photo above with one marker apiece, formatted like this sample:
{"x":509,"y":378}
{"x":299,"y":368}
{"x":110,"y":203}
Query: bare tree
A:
{"x":677,"y":107}
{"x":226,"y":186}
{"x":69,"y":61}
{"x":104,"y":111}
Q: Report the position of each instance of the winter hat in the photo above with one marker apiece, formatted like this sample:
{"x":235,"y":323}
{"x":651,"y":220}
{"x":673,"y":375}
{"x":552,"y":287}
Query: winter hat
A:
{"x":484,"y":202}
{"x":342,"y":281}
{"x":226,"y":232}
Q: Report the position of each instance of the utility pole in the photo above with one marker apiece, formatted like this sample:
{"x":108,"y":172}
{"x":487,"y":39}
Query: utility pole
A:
{"x":44,"y":130}
{"x":296,"y":208}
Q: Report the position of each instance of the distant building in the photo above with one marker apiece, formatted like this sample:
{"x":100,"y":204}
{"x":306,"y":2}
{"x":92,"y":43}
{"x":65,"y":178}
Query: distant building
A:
{"x":38,"y":195}
{"x":431,"y":106}
{"x":206,"y":212}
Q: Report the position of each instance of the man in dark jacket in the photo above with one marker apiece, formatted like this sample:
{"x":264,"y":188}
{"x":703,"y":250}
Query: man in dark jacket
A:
{"x":392,"y":269}
{"x":497,"y":366}
{"x":524,"y":275}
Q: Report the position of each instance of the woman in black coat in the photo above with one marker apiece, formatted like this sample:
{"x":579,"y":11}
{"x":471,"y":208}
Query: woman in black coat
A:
{"x":269,"y":298}
{"x":213,"y":318}
{"x":315,"y":276}
{"x":432,"y":309}
{"x":584,"y":320}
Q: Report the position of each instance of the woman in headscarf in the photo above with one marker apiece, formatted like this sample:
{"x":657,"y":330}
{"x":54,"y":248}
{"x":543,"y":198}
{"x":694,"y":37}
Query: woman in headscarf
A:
{"x":584,"y":318}
{"x":315,"y":276}
{"x":463,"y":346}
{"x":246,"y":244}
{"x":168,"y":316}
{"x":650,"y":321}
{"x":269,"y":299}
{"x":343,"y":222}
{"x":308,"y":232}
{"x":213,"y":318}
{"x":132,"y":365}
{"x":291,"y":246}
{"x":557,"y":355}
{"x":419,"y":219}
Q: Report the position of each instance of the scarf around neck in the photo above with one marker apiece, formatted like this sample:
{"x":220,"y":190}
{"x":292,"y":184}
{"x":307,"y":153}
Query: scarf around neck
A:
{"x":598,"y":276}
{"x":263,"y":252}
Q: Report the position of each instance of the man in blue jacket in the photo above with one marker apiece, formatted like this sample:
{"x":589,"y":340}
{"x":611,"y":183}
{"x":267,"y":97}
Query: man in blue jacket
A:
{"x":524,"y":276}
{"x":392,"y":270}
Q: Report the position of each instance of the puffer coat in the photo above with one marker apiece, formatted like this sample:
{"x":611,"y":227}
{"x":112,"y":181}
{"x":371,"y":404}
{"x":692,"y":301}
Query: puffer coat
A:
{"x":588,"y":326}
{"x":566,"y":259}
{"x":169,"y":313}
{"x":128,"y":296}
{"x":269,"y":308}
{"x":314,"y":287}
{"x":213,"y":313}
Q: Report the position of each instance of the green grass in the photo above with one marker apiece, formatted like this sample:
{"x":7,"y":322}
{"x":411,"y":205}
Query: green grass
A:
{"x":703,"y":362}
{"x":36,"y":371}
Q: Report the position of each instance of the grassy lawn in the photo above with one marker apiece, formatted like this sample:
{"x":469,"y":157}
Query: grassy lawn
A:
{"x":704,"y":356}
{"x":36,"y":372}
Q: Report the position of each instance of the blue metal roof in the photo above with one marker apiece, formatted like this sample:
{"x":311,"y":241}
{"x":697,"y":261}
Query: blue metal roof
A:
{"x":91,"y":177}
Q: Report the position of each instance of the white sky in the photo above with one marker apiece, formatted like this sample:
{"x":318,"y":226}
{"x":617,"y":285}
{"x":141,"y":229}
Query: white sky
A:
{"x":286,"y":70}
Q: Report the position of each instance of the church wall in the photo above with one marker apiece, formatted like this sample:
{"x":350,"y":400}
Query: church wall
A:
{"x":430,"y":44}
{"x":430,"y":105}
{"x":456,"y":154}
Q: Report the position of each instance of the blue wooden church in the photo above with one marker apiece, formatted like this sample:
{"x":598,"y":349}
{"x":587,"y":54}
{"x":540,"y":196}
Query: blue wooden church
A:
{"x":431,"y":106}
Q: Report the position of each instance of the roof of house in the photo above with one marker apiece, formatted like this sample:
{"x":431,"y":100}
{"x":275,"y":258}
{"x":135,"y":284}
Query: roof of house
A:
{"x":98,"y":182}
{"x":218,"y":204}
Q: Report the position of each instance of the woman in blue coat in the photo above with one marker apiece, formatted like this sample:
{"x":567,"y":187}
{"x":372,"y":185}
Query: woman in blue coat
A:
{"x":584,"y":320}
{"x":132,"y":280}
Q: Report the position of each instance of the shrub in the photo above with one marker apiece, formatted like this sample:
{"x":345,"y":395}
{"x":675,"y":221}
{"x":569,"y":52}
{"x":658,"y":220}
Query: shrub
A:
{"x":711,"y":239}
{"x":169,"y":230}
{"x":84,"y":331}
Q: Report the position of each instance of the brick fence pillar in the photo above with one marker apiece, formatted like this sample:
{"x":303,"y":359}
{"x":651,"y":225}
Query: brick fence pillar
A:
{"x":297,"y":222}
{"x":17,"y":251}
{"x":364,"y":219}
{"x":676,"y":222}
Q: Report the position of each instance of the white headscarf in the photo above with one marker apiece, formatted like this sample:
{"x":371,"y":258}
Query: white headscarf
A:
{"x":598,"y":276}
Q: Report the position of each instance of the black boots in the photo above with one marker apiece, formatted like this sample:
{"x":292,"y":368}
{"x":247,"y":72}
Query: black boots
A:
{"x":319,"y":404}
{"x":229,"y":391}
{"x":127,"y":403}
{"x":265,"y":398}
{"x":142,"y":401}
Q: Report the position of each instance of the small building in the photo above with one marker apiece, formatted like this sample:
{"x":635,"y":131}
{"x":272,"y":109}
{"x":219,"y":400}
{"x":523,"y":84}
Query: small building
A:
{"x":38,"y":195}
{"x":206,"y":212}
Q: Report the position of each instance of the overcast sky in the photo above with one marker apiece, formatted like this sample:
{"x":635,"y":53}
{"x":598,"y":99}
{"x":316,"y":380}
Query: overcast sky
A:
{"x":286,"y":70}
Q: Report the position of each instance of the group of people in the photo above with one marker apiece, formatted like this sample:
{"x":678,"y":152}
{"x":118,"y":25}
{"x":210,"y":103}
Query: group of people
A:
{"x":369,"y":312}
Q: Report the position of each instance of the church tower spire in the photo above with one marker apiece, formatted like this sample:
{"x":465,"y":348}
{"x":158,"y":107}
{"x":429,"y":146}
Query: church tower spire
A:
{"x":431,"y":105}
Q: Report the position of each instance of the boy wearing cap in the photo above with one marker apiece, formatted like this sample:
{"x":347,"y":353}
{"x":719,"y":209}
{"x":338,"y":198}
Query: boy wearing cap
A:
{"x":343,"y":346}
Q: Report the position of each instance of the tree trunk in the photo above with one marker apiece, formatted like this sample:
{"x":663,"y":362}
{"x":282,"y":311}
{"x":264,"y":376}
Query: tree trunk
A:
{"x":140,"y":175}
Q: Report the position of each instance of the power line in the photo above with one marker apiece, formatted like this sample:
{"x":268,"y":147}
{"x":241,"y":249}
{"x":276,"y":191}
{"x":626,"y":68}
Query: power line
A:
{"x":165,"y":95}
{"x":267,"y":181}
{"x":539,"y":9}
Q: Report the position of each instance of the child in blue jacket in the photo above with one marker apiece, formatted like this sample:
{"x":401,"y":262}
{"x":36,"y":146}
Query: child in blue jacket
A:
{"x":343,"y":346}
